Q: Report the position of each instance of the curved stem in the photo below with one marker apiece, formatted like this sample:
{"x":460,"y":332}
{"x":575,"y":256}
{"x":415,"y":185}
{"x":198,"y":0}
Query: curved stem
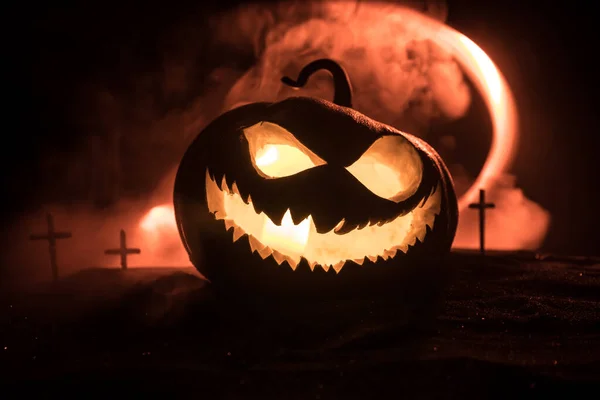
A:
{"x":342,"y":89}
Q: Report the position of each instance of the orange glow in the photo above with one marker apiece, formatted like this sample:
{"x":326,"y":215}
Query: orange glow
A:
{"x":494,"y":89}
{"x":158,"y":218}
{"x":279,"y":160}
{"x":162,"y":245}
{"x":287,"y":242}
{"x":391,"y":168}
{"x":276,"y":152}
{"x":289,"y":237}
{"x":372,"y":27}
{"x":475,"y":63}
{"x":268,"y":155}
{"x":390,"y":161}
{"x":501,"y":105}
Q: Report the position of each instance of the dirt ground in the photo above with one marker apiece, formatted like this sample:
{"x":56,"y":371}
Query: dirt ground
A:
{"x":514,"y":327}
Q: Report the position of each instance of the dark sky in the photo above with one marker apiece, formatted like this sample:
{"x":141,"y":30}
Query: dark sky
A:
{"x":546,"y":53}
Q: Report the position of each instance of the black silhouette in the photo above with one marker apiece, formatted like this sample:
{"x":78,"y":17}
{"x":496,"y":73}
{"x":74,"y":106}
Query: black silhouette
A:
{"x":123,"y":251}
{"x":482,"y":206}
{"x":51,"y":237}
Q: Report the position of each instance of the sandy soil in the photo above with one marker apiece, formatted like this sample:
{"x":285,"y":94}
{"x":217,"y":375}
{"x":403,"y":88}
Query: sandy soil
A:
{"x":515,"y":326}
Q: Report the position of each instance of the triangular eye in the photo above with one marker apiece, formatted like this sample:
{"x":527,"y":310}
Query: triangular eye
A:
{"x":391,"y":168}
{"x":276,"y":153}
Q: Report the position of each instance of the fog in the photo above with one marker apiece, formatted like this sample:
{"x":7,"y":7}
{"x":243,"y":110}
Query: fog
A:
{"x":400,"y":76}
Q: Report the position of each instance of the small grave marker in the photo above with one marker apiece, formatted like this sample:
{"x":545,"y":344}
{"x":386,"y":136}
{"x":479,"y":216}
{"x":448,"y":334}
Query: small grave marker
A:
{"x":51,"y":237}
{"x":123,"y":251}
{"x":482,"y":206}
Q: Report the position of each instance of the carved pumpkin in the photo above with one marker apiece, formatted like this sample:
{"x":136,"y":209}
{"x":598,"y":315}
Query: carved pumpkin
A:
{"x":306,"y":191}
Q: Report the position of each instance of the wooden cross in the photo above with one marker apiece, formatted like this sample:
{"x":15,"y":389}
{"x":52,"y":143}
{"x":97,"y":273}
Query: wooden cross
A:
{"x":123,"y":251}
{"x":51,"y":237}
{"x":481,"y":206}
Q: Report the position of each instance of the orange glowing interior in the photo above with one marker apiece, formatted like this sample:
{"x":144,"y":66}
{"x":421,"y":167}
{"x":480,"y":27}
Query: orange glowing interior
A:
{"x":289,"y":242}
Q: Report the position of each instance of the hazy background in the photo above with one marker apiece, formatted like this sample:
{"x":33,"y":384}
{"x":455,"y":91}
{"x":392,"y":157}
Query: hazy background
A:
{"x":145,"y":81}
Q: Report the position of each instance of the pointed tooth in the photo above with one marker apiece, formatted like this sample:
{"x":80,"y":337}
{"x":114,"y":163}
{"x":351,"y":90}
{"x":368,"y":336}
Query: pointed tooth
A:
{"x":243,"y":194}
{"x":324,"y":226}
{"x":224,"y":186}
{"x":359,"y":261}
{"x":326,"y":267}
{"x":312,"y":265}
{"x":297,"y":218}
{"x":287,"y":259}
{"x":433,"y":204}
{"x":234,"y":189}
{"x":209,"y":175}
{"x":339,"y":225}
{"x":347,"y":227}
{"x":381,"y":223}
{"x":217,"y":178}
{"x":293,"y":262}
{"x":255,"y":244}
{"x":259,"y":211}
{"x":412,"y":240}
{"x":248,"y":199}
{"x":429,"y":218}
{"x":403,"y":248}
{"x":237,"y":233}
{"x":372,"y":258}
{"x":228,"y":224}
{"x":279,"y":258}
{"x":265,"y":252}
{"x":287,"y":218}
{"x":277,"y":217}
{"x":254,"y":206}
{"x":421,"y":234}
{"x":391,"y":253}
{"x":214,"y":197}
{"x":228,"y":181}
{"x":338,"y":266}
{"x":428,"y":229}
{"x":363,"y":225}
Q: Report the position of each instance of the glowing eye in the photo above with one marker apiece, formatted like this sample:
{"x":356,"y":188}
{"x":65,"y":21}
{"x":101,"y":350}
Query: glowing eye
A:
{"x":391,"y":168}
{"x":268,"y":155}
{"x":279,"y":160}
{"x":276,"y":153}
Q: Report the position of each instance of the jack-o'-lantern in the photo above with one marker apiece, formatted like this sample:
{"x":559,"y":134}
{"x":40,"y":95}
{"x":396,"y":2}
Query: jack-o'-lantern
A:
{"x":306,"y":191}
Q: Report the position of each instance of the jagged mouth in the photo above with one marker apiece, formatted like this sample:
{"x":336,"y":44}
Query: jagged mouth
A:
{"x":289,"y":242}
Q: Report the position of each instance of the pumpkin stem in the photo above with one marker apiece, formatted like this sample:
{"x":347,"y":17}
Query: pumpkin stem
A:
{"x":341,"y":83}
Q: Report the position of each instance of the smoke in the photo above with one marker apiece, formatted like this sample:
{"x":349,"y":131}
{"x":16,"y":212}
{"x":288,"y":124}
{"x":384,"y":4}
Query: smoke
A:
{"x":400,"y":76}
{"x":515,"y":223}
